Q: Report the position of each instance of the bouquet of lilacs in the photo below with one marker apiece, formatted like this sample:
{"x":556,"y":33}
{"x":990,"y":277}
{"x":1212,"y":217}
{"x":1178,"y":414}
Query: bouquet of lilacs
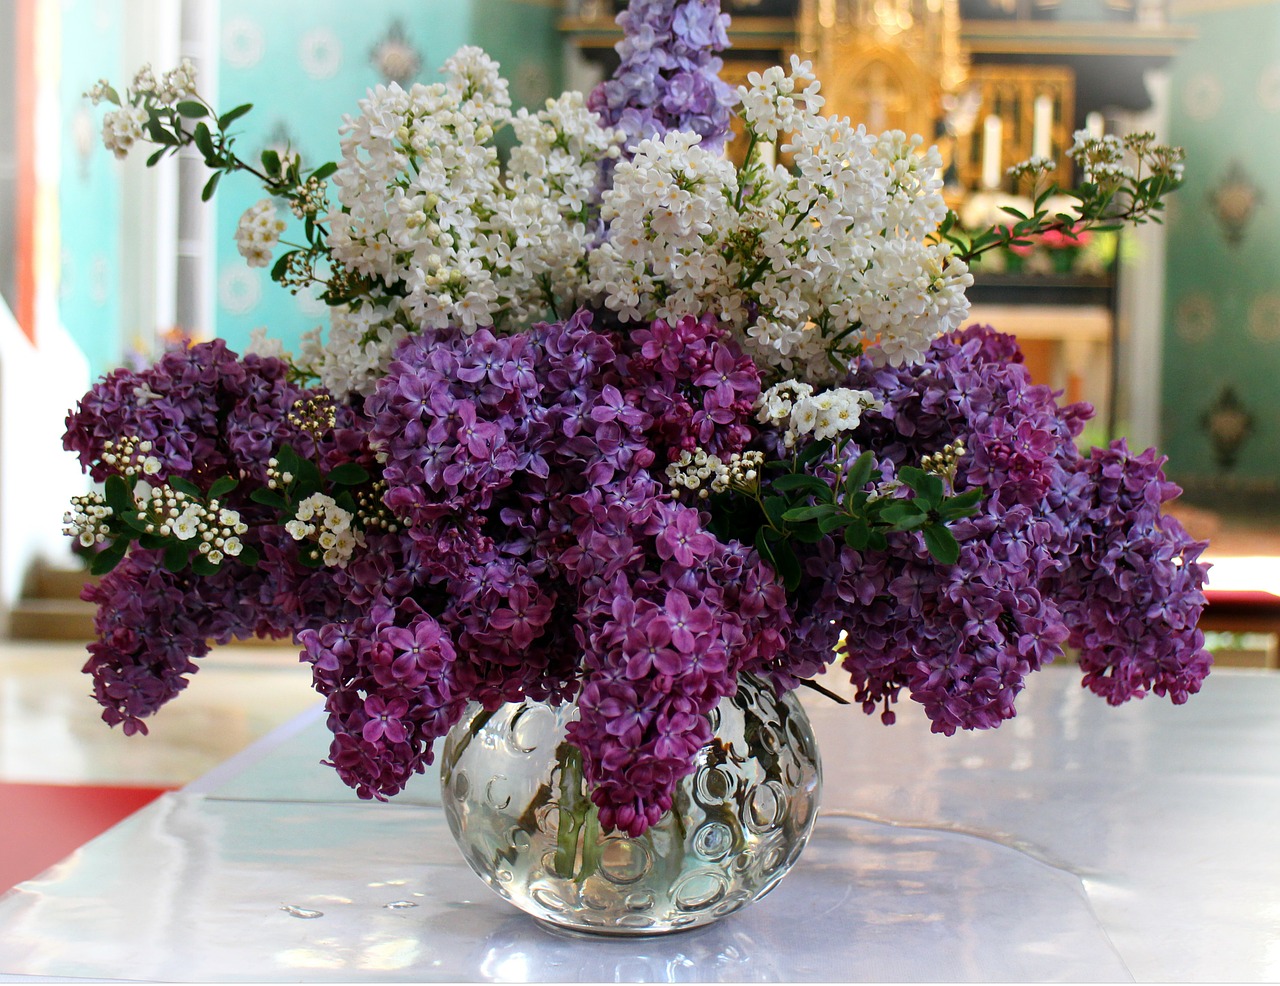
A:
{"x":617,"y":422}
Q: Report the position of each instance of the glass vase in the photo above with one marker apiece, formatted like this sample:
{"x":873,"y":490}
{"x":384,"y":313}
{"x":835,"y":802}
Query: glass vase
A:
{"x":516,"y":801}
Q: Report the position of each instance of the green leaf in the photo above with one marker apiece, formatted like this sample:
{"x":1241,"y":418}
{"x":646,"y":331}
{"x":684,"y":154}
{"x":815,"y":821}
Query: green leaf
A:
{"x":964,"y":505}
{"x":928,"y":486}
{"x":348,"y":474}
{"x":191,"y":109}
{"x":802,"y":481}
{"x":204,"y":143}
{"x":774,"y":508}
{"x":176,"y":557}
{"x":185,"y":486}
{"x":118,"y":496}
{"x":813,"y":452}
{"x":221,"y":487}
{"x":281,"y":265}
{"x":808,"y":513}
{"x":762,"y":546}
{"x":202,"y":565}
{"x":808,"y":533}
{"x":308,"y":480}
{"x":152,"y":161}
{"x":268,"y":498}
{"x":210,"y":186}
{"x":904,"y":515}
{"x":324,"y":171}
{"x":787,"y":565}
{"x":857,"y":534}
{"x":271,"y":162}
{"x":941,"y":544}
{"x":231,"y":116}
{"x":828,"y":524}
{"x":287,"y":459}
{"x":108,"y":558}
{"x":248,"y":556}
{"x":859,"y":473}
{"x":159,"y":135}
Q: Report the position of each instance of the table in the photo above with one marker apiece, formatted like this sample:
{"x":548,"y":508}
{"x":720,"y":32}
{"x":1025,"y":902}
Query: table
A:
{"x":1075,"y":843}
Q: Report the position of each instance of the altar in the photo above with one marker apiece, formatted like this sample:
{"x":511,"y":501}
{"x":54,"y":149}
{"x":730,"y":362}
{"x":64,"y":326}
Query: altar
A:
{"x":1075,"y":843}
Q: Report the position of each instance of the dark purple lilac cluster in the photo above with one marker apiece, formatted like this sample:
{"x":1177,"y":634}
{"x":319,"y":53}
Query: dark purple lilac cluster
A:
{"x":152,"y":623}
{"x":540,"y":558}
{"x":696,"y":384}
{"x":206,"y":412}
{"x":1132,"y":595}
{"x":669,"y":77}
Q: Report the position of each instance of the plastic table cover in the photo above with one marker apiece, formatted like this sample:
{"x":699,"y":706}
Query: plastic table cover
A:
{"x":1075,"y":843}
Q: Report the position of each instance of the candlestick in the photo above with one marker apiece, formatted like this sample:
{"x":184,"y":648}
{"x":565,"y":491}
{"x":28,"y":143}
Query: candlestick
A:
{"x":992,"y":133}
{"x":1095,"y":125}
{"x":1042,"y":127}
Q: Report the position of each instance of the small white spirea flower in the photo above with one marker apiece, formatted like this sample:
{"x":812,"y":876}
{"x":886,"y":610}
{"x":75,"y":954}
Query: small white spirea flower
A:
{"x":258,"y":233}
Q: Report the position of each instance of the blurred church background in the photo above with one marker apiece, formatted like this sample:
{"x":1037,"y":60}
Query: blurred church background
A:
{"x":1172,"y":331}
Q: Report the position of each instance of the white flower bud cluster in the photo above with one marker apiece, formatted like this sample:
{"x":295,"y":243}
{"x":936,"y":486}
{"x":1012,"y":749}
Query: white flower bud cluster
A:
{"x":130,"y":457}
{"x":320,"y":519}
{"x":276,"y":479}
{"x":945,"y":462}
{"x":309,"y":199}
{"x":172,"y":513}
{"x":86,"y":521}
{"x":258,"y":233}
{"x":704,"y":473}
{"x":315,"y":415}
{"x":371,"y":512}
{"x":1100,"y":160}
{"x":1034,"y":167}
{"x":829,"y":413}
{"x":176,"y":84}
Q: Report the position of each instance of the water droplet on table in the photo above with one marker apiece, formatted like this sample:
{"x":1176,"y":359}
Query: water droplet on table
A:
{"x":301,"y":912}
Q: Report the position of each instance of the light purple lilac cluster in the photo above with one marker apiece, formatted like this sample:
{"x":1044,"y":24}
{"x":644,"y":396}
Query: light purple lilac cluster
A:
{"x":669,"y":77}
{"x":1054,"y":552}
{"x":1133,"y":593}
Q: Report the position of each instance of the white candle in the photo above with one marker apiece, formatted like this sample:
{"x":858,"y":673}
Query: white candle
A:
{"x":992,"y":131}
{"x":1042,"y":127}
{"x":1095,"y":125}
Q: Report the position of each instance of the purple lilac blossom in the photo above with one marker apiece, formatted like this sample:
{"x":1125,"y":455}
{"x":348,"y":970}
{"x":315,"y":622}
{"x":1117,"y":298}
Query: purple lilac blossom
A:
{"x":669,"y":78}
{"x":541,"y":556}
{"x":1039,"y":561}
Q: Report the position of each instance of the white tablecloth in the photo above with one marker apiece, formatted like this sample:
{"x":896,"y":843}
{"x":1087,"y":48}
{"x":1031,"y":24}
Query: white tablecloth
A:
{"x":1077,"y":842}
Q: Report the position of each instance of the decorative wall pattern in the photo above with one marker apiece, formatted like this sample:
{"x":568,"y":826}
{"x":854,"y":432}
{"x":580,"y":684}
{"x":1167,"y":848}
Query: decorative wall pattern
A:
{"x":1221,"y":404}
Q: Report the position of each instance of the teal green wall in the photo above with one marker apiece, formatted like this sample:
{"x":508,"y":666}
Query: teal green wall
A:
{"x":1222,"y":301}
{"x":89,"y":191}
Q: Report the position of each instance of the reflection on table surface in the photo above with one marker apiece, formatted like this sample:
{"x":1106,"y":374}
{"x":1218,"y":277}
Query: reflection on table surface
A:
{"x":1077,"y":842}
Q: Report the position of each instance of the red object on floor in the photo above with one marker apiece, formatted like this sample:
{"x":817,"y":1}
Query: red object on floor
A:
{"x":43,"y":823}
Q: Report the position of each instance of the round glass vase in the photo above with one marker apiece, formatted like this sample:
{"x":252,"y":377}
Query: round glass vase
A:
{"x":517,"y":804}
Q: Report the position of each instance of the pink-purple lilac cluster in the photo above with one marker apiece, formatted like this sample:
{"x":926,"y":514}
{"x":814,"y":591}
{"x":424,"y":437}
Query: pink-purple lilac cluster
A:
{"x":669,"y":77}
{"x":542,"y":557}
